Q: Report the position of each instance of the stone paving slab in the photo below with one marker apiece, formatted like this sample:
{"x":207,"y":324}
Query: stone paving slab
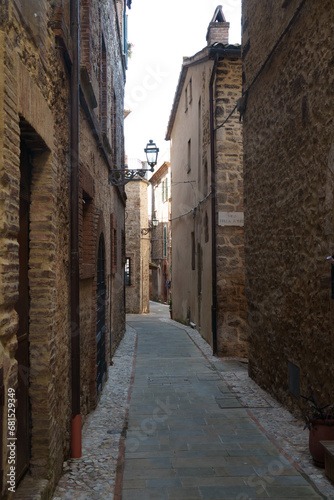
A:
{"x":93,"y":476}
{"x":205,"y":444}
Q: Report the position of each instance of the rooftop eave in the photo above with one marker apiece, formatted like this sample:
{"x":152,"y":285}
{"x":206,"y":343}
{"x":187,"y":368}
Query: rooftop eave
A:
{"x":233,"y":51}
{"x":222,"y":50}
{"x":160,"y":172}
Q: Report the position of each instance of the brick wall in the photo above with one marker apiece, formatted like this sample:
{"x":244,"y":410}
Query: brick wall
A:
{"x":34,"y":107}
{"x":27,"y":113}
{"x":288,"y":140}
{"x":218,"y":33}
{"x":98,"y":204}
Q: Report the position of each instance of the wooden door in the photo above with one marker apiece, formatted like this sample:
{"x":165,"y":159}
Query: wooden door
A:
{"x":22,"y":308}
{"x":101,"y":318}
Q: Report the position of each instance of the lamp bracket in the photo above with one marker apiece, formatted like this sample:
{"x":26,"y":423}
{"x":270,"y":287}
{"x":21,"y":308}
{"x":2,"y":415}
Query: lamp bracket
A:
{"x":146,"y":230}
{"x":119,"y":177}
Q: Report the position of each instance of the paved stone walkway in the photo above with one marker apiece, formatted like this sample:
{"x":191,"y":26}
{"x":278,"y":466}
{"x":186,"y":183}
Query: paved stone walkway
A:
{"x":197,"y":427}
{"x":189,"y":437}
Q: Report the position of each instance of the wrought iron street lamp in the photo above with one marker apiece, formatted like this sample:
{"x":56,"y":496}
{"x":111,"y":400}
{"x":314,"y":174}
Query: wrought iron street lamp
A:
{"x":151,"y":151}
{"x":151,"y":225}
{"x":121,"y":177}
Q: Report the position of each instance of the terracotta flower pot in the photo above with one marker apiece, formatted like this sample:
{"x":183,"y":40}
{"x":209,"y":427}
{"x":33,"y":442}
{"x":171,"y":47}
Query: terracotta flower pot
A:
{"x":321,"y":430}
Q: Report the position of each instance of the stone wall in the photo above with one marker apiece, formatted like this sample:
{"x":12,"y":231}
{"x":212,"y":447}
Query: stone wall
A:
{"x":35,"y":118}
{"x":137,"y":247}
{"x":101,"y":213}
{"x":231,"y":307}
{"x":161,"y":233}
{"x":289,"y":186}
{"x":192,"y":227}
{"x":28,"y":96}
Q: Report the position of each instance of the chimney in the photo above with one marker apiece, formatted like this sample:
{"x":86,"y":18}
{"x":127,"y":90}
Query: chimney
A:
{"x":218,"y":28}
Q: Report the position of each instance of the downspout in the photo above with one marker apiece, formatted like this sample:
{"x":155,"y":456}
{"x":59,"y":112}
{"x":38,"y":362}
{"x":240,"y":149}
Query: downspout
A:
{"x":74,"y":259}
{"x":213,"y":212}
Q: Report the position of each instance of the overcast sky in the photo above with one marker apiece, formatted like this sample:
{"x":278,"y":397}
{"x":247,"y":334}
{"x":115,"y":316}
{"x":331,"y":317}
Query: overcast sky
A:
{"x":163,"y":32}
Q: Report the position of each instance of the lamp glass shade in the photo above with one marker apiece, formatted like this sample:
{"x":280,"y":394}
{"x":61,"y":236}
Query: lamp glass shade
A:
{"x":151,"y":151}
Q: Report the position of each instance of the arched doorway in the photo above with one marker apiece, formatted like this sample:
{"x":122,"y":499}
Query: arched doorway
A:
{"x":101,"y":317}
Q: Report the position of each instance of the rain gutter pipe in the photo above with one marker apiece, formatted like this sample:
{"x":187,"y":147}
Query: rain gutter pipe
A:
{"x":74,"y":257}
{"x":213,"y":211}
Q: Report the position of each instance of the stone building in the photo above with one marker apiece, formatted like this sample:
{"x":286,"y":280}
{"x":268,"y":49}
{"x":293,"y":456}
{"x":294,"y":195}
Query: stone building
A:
{"x":208,"y":285}
{"x":62,"y":226}
{"x":161,"y":247}
{"x":137,"y":246}
{"x":289,"y":195}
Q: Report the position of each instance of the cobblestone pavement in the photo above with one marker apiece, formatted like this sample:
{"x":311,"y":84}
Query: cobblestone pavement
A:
{"x":93,"y":476}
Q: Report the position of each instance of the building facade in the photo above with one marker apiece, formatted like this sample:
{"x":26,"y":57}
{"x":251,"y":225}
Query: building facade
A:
{"x":161,"y":245}
{"x":208,"y":284}
{"x":62,"y":226}
{"x":289,"y":195}
{"x":137,"y":246}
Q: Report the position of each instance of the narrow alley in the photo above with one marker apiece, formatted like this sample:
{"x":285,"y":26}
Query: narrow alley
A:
{"x":166,"y":249}
{"x":196,"y":427}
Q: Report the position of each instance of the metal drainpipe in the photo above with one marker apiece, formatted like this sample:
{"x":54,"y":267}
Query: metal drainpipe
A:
{"x":74,"y":207}
{"x":213,"y":212}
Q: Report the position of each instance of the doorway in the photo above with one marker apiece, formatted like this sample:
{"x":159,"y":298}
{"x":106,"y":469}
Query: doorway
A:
{"x":101,"y":317}
{"x":22,"y":308}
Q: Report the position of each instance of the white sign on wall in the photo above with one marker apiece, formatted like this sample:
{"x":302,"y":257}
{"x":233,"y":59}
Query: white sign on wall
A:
{"x":231,"y":219}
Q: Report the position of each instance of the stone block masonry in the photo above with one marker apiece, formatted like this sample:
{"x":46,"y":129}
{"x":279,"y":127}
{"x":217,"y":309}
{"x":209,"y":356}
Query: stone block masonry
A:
{"x":137,"y":247}
{"x":26,"y":116}
{"x":289,"y":202}
{"x":208,"y":282}
{"x":35,"y":67}
{"x":231,"y":320}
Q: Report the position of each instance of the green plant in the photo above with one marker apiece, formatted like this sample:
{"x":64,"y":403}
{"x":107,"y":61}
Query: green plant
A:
{"x":317,"y":412}
{"x":170,"y":304}
{"x":130,"y":45}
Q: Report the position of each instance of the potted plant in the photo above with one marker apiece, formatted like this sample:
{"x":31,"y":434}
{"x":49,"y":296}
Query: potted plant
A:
{"x":170,"y":308}
{"x":320,"y":422}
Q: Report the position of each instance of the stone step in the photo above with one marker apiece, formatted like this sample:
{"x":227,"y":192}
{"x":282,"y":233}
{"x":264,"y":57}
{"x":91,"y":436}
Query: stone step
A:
{"x":329,"y":458}
{"x":33,"y":489}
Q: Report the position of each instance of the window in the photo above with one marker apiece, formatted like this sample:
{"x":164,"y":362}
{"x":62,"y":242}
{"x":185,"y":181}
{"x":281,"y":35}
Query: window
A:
{"x":190,"y":91}
{"x":127,"y":272}
{"x":188,"y":94}
{"x":164,"y":190}
{"x":87,"y":226}
{"x":125,"y":36}
{"x":189,"y":157}
{"x":113,"y":245}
